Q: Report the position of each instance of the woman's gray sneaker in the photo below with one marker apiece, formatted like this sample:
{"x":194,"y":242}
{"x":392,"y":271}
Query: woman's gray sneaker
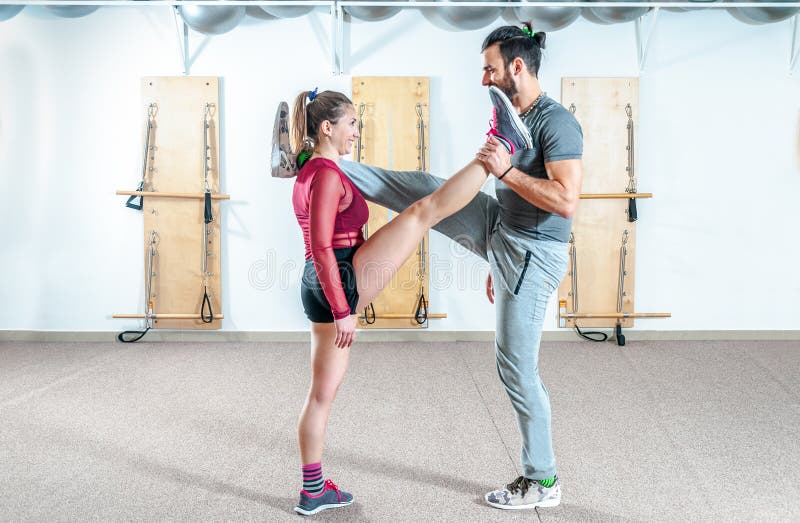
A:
{"x":330,"y":497}
{"x":507,"y":125}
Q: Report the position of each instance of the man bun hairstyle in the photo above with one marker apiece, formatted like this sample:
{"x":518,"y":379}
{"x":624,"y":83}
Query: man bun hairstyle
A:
{"x":518,"y":42}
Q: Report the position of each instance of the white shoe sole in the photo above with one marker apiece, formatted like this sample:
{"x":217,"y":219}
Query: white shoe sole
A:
{"x":547,"y":503}
{"x":320,"y":508}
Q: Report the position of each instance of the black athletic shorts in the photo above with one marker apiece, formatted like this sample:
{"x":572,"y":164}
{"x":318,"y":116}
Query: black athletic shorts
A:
{"x":316,"y":306}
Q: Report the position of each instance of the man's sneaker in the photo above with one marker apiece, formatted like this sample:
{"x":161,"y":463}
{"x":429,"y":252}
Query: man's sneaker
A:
{"x":525,"y":493}
{"x":506,"y":124}
{"x":283,"y":161}
{"x":330,"y":497}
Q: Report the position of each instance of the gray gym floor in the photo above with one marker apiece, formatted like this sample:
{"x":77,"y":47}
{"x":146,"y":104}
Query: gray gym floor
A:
{"x":654,"y":431}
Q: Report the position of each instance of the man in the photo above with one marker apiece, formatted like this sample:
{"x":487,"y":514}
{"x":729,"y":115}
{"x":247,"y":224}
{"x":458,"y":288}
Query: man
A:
{"x":522,"y":234}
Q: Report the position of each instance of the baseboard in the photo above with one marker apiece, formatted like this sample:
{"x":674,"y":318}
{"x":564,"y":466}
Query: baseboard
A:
{"x":385,"y":336}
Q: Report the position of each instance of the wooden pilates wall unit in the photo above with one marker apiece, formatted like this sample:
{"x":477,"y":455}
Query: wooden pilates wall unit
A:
{"x":390,"y":110}
{"x":598,"y":289}
{"x":173,"y":201}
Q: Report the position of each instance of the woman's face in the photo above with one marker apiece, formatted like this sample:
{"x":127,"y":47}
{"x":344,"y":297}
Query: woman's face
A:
{"x":345,"y":132}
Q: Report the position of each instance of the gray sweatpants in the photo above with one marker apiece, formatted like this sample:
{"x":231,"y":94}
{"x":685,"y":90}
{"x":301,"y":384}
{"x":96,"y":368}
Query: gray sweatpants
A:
{"x":525,"y":272}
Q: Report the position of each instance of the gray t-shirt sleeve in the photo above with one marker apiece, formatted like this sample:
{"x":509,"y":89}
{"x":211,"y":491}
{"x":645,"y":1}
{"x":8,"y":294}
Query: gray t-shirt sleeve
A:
{"x":561,"y":137}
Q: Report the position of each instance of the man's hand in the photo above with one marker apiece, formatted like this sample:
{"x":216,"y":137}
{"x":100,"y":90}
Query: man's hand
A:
{"x":494,"y":156}
{"x":490,"y":288}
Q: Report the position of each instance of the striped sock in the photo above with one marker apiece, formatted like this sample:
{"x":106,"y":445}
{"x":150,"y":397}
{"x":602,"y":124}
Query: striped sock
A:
{"x":548,"y":482}
{"x":312,"y":478}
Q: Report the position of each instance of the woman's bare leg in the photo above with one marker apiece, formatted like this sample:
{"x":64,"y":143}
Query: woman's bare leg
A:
{"x":377,"y":261}
{"x":328,"y":365}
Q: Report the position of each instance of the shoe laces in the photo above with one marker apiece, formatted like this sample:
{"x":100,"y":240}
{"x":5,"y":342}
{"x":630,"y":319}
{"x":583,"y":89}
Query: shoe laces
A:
{"x":493,"y":132}
{"x":493,"y":123}
{"x":520,"y":484}
{"x":330,"y":485}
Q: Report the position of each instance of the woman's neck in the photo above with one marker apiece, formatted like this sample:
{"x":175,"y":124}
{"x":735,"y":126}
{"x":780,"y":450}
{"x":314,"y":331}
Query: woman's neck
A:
{"x":326,"y":151}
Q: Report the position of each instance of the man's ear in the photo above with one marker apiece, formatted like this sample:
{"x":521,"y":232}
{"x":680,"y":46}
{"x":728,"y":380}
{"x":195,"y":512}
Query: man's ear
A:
{"x":517,"y":65}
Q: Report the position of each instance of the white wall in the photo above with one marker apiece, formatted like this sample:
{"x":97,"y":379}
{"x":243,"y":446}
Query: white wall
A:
{"x":719,"y":146}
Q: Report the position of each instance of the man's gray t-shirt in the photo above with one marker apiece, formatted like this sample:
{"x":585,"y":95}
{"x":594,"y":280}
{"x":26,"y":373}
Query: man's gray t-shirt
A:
{"x":556,"y":136}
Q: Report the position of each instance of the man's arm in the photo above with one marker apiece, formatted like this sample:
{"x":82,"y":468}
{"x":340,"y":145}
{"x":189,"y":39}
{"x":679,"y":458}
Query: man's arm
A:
{"x":558,"y":194}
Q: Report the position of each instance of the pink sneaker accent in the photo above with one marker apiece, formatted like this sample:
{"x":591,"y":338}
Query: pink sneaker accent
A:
{"x":493,"y":132}
{"x":329,"y":485}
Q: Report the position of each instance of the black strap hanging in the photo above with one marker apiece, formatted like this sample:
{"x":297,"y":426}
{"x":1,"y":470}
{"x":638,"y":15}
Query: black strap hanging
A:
{"x":121,"y":335}
{"x":421,"y":315}
{"x":131,"y":203}
{"x":591,"y":335}
{"x":207,"y":215}
{"x":207,"y":318}
{"x":369,"y":314}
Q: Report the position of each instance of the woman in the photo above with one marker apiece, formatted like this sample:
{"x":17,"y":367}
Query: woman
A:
{"x":343,"y":272}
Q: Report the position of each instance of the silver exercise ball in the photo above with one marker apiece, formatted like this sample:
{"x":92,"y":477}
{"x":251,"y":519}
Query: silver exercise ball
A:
{"x":256,"y":12}
{"x":588,"y":14}
{"x":681,"y":9}
{"x":548,"y":18}
{"x":618,"y":15}
{"x":371,"y":13}
{"x":8,"y":12}
{"x":213,"y":20}
{"x":286,"y":11}
{"x":765,"y":15}
{"x":73,"y":11}
{"x":461,"y":18}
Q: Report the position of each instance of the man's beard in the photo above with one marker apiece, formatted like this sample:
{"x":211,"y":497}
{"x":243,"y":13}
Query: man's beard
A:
{"x":508,"y":88}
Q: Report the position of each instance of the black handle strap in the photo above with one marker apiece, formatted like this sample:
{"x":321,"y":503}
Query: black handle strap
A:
{"x":207,"y":318}
{"x":121,"y":335}
{"x":632,"y":216}
{"x":207,"y":211}
{"x":591,"y":335}
{"x":131,"y":203}
{"x":421,"y":316}
{"x":369,"y":314}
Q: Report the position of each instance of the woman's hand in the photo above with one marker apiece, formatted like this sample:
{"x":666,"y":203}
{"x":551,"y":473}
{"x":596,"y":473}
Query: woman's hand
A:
{"x":490,"y":288}
{"x":345,"y":332}
{"x":494,"y":156}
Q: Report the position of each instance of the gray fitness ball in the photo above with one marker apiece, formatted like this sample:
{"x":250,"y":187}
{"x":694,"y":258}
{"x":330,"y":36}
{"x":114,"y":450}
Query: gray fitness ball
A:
{"x":764,"y":15}
{"x":286,"y":11}
{"x":679,"y":9}
{"x":213,"y":20}
{"x":617,"y":15}
{"x":372,"y":13}
{"x":547,"y":18}
{"x":9,"y":11}
{"x":461,"y":18}
{"x":76,"y":11}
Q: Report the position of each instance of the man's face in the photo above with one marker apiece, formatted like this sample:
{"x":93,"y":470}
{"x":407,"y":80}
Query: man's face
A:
{"x":496,"y":73}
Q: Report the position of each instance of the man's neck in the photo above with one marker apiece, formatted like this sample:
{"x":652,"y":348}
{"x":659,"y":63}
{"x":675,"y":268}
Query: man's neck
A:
{"x":527,"y":94}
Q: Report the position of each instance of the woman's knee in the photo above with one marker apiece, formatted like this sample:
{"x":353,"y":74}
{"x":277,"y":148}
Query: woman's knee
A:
{"x":324,"y":394}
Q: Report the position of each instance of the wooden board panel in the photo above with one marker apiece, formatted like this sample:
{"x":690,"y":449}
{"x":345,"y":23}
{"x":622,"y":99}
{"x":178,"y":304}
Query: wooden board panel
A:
{"x":599,"y":225}
{"x":177,"y":166}
{"x":390,"y":139}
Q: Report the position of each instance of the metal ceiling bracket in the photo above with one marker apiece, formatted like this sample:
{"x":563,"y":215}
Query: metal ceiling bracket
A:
{"x":645,"y":26}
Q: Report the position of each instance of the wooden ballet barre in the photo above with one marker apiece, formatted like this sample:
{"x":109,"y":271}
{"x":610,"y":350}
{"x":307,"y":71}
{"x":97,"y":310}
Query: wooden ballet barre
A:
{"x":165,"y":316}
{"x":152,"y":194}
{"x":572,"y":315}
{"x":391,"y":316}
{"x":620,"y":196}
